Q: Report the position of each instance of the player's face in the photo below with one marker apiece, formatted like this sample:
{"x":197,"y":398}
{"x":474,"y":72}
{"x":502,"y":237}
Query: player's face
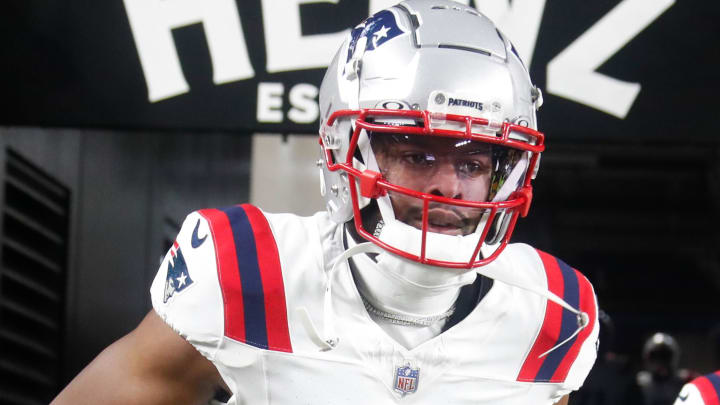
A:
{"x":447,"y":167}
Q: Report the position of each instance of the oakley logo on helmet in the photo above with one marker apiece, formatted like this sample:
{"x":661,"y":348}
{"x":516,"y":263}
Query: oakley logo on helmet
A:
{"x":393,"y":105}
{"x":378,"y":29}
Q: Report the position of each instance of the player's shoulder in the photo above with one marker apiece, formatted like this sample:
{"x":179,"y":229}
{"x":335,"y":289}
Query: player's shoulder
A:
{"x":249,"y":218}
{"x":225,"y":275}
{"x":246,"y":231}
{"x":703,"y":390}
{"x":543,"y":268}
{"x":558,"y":351}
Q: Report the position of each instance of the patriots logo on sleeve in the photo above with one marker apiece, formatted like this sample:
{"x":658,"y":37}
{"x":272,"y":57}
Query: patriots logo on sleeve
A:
{"x":378,"y":29}
{"x":178,"y":277}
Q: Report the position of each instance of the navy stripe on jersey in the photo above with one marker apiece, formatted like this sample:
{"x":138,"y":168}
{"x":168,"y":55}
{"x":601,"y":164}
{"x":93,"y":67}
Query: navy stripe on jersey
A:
{"x":714,"y":379}
{"x":252,"y":289}
{"x":571,"y":295}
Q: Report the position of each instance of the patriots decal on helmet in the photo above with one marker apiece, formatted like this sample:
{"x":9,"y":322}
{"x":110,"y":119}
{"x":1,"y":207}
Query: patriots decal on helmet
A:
{"x":377,"y":29}
{"x":178,"y":277}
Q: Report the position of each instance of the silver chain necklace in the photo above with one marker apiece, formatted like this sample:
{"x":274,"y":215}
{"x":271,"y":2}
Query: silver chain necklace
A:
{"x":406,"y":320}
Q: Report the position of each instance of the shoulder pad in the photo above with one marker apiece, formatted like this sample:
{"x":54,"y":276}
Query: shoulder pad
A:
{"x":250,"y":277}
{"x":709,"y":388}
{"x":559,"y":324}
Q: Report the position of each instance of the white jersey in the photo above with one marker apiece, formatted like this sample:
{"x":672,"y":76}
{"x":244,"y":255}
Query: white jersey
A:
{"x":704,"y":390}
{"x":236,"y":282}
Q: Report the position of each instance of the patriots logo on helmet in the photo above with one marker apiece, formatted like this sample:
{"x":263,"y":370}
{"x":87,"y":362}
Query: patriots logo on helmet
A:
{"x":378,"y":29}
{"x":178,"y":277}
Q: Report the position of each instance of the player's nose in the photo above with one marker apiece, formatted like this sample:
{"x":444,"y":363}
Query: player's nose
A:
{"x":444,"y":182}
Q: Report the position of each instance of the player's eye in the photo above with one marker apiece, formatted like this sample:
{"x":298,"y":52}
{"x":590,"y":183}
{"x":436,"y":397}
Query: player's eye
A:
{"x":472,"y":168}
{"x":420,"y":159}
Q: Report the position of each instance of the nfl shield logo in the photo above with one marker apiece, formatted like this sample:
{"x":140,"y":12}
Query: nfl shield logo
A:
{"x":406,"y":379}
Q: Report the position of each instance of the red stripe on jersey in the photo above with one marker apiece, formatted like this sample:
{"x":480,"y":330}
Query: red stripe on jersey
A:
{"x":587,"y":305}
{"x":227,"y":268}
{"x":278,"y":334}
{"x":550,"y":330}
{"x":707,"y":390}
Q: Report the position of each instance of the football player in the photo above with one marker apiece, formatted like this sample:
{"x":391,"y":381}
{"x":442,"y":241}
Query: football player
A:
{"x":703,"y":390}
{"x":661,"y":377}
{"x":405,"y":288}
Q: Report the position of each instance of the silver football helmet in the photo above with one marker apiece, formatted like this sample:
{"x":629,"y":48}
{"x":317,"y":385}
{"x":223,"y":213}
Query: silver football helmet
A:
{"x":428,"y":134}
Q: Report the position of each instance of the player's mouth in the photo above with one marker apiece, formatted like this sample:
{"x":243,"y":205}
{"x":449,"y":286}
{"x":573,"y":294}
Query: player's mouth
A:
{"x":443,"y":221}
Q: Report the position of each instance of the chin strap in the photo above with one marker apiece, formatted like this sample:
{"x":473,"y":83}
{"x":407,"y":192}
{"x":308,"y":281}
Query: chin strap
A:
{"x":329,"y":339}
